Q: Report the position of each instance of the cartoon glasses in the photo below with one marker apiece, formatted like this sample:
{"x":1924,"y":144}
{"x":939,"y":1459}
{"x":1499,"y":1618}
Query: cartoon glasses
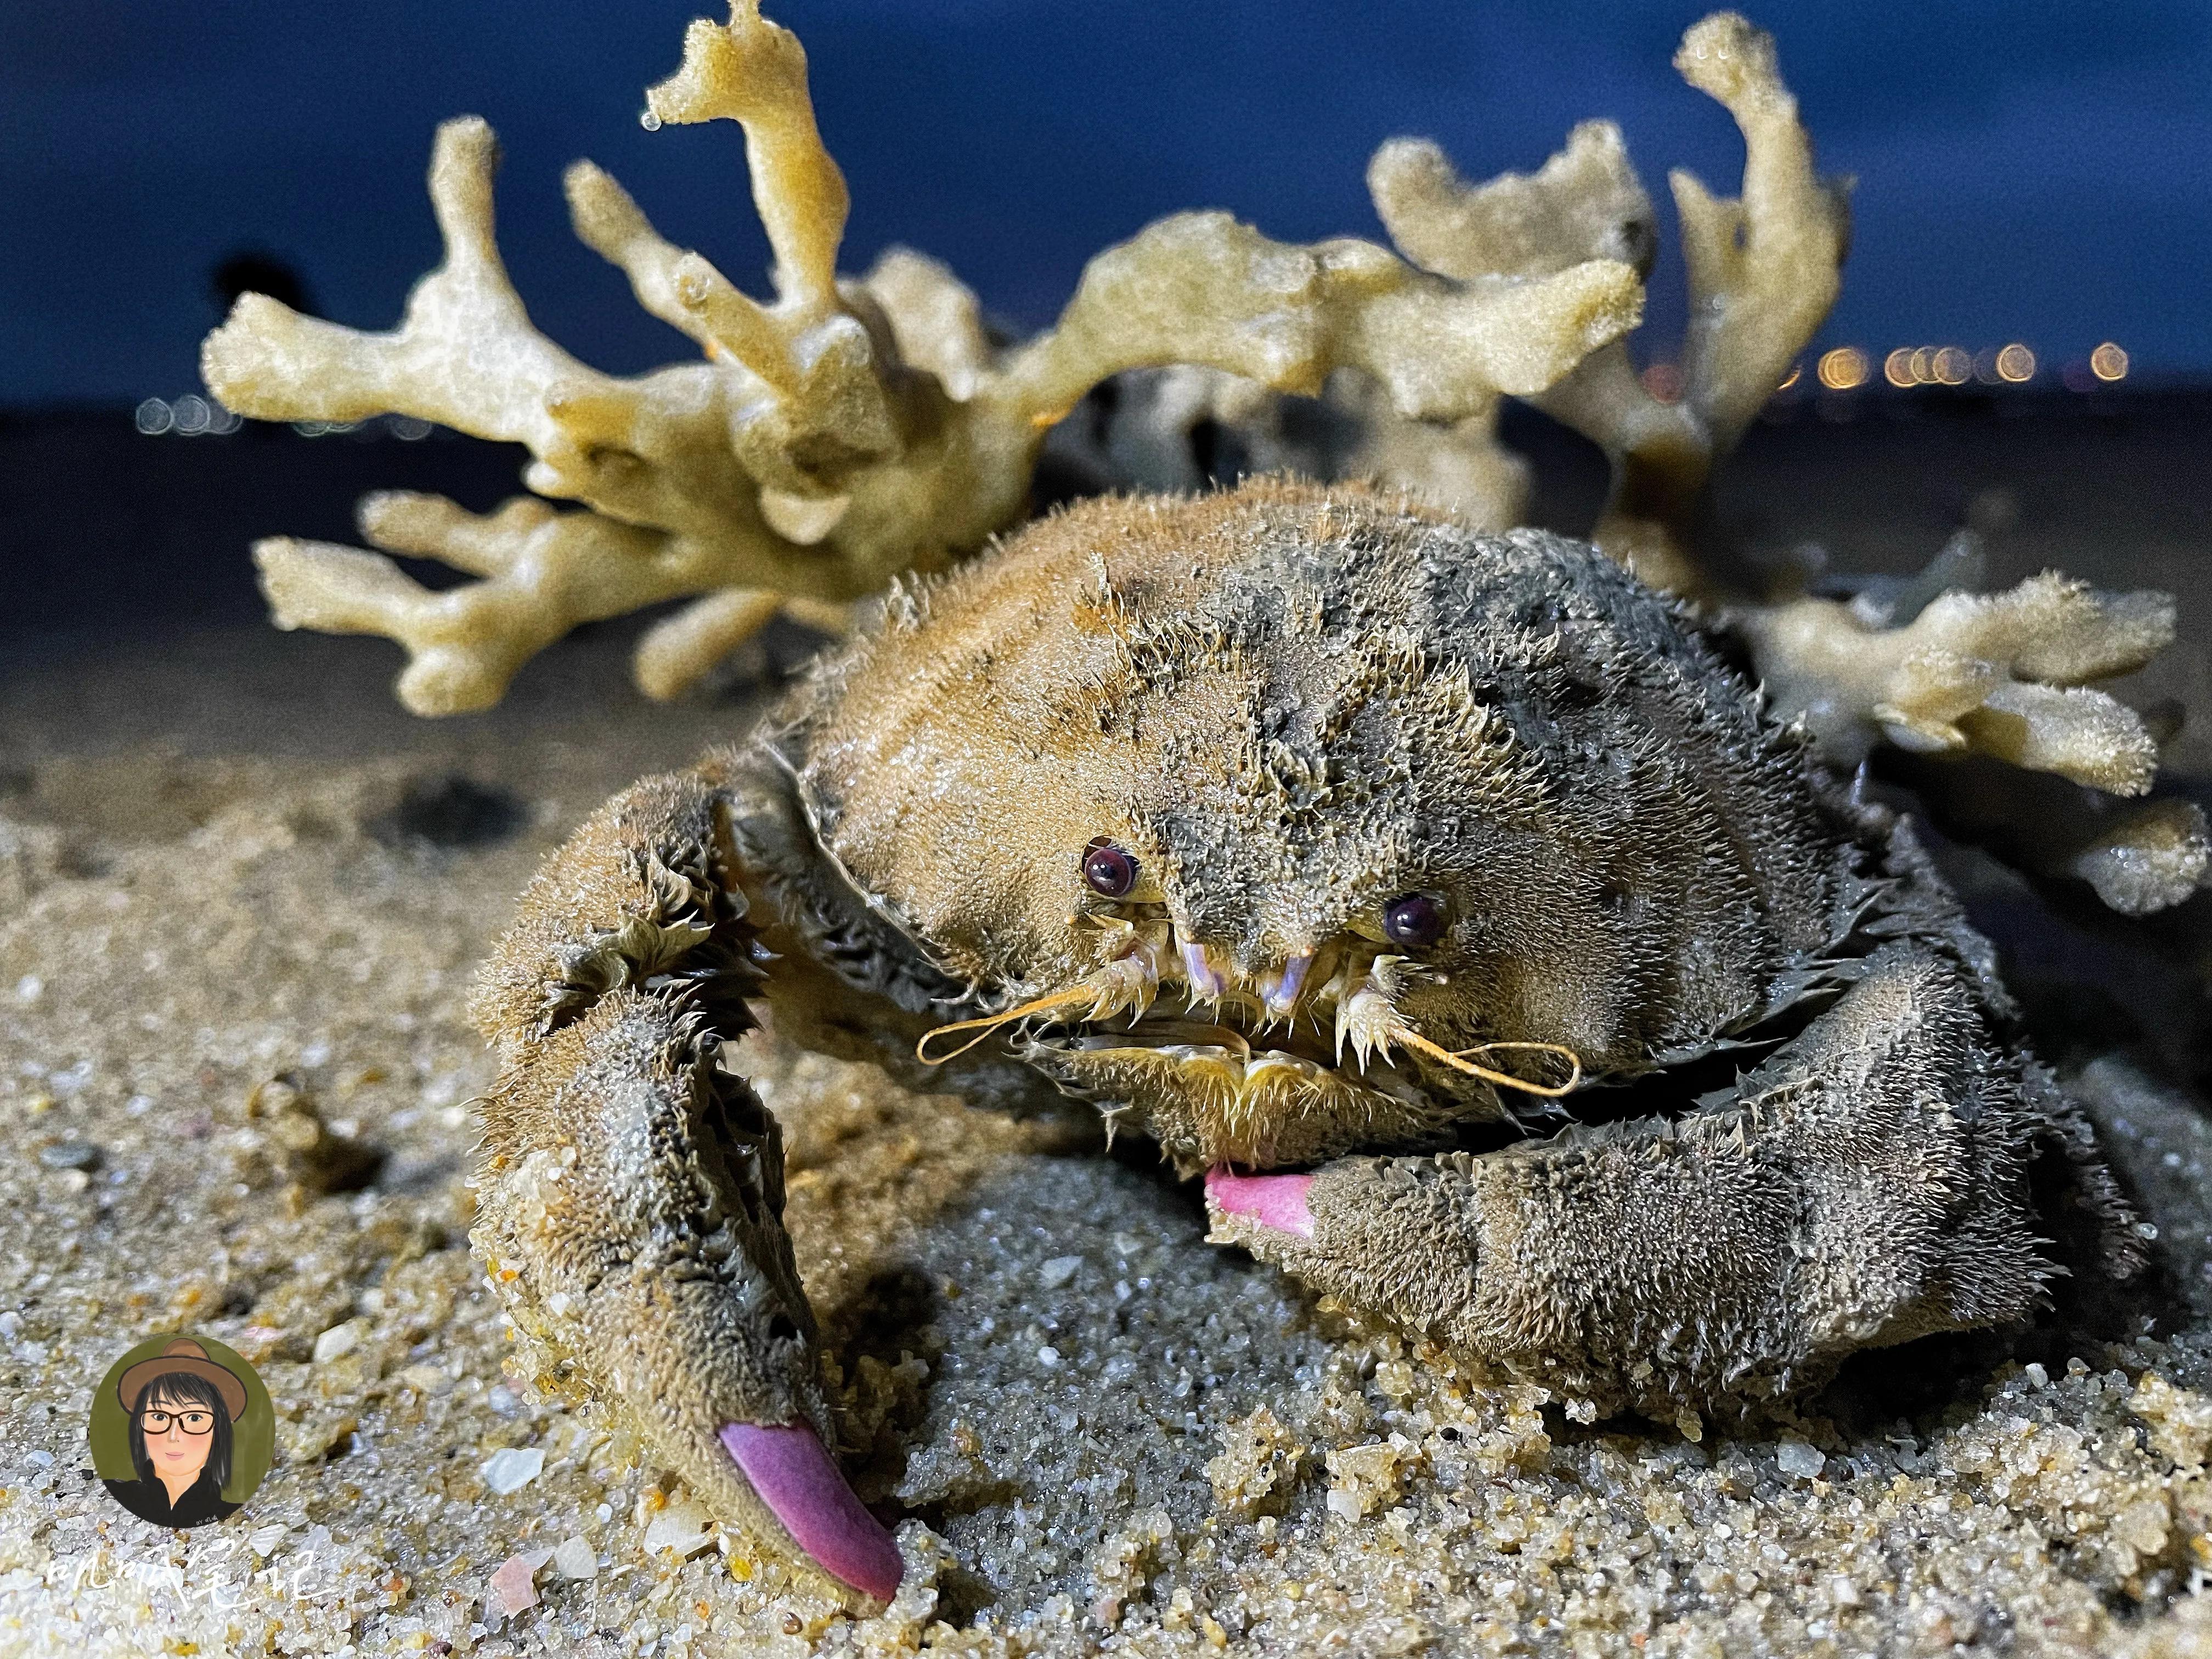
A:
{"x":157,"y":1421}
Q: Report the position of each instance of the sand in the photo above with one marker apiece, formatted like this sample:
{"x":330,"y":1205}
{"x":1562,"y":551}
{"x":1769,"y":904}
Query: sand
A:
{"x":225,"y":861}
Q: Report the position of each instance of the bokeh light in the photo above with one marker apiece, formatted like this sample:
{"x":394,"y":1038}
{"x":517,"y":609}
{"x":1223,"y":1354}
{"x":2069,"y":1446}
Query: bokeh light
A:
{"x":189,"y":417}
{"x":2011,"y":364}
{"x":2109,"y":363}
{"x":1842,"y":368}
{"x":1663,"y":381}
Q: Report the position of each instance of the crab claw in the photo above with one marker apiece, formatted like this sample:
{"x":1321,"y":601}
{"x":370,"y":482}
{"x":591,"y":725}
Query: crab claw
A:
{"x":793,"y":1473}
{"x":630,"y":1198}
{"x":1275,"y":1202}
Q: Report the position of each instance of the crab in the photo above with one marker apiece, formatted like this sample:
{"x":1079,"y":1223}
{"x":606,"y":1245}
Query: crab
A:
{"x":1445,"y":899}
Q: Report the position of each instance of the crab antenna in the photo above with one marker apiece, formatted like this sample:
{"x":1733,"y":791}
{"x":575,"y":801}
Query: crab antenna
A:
{"x":1459,"y":1062}
{"x":990,"y":1023}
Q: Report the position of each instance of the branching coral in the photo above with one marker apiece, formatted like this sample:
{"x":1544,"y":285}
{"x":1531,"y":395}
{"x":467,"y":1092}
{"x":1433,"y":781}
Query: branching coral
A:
{"x":2007,"y":674}
{"x":1764,"y":270}
{"x":2013,"y":675}
{"x":846,"y":433}
{"x":2151,"y":859}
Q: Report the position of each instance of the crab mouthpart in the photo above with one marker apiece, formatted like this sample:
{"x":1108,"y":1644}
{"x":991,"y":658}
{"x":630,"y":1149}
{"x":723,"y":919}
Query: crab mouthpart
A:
{"x":792,"y":1472}
{"x":1276,"y":1201}
{"x":1219,"y":1101}
{"x":1232,"y":1062}
{"x":1222,"y":1064}
{"x":1282,"y":995}
{"x":1199,"y":971}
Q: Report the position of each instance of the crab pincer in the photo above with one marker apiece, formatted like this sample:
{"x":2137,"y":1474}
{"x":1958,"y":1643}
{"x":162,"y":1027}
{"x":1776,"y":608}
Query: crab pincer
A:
{"x":631,"y":1192}
{"x":1276,"y":1202}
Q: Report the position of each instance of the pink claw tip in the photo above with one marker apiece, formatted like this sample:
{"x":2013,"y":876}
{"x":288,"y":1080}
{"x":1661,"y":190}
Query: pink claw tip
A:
{"x":1277,"y":1201}
{"x":794,"y":1476}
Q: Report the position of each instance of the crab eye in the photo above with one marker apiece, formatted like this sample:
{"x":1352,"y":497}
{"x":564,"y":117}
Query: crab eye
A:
{"x":1415,"y":920}
{"x":1109,"y":869}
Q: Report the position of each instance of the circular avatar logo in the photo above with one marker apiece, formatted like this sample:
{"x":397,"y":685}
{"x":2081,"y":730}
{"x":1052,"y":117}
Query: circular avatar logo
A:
{"x":181,"y":1431}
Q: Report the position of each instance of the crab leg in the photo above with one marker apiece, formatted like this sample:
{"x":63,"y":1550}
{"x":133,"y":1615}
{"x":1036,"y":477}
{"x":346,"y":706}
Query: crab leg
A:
{"x":1836,"y":1202}
{"x":630,"y":1194}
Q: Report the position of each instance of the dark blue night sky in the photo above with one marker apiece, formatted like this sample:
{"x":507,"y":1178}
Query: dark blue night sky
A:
{"x":2026,"y":169}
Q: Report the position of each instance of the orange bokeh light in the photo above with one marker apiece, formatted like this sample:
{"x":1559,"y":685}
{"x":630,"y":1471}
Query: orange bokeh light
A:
{"x":1842,"y":368}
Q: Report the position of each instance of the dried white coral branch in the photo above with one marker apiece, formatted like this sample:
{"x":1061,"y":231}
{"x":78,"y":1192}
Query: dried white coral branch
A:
{"x":2007,"y":675}
{"x":673,"y":509}
{"x":1585,"y":204}
{"x":2153,"y":859}
{"x":1764,"y":268}
{"x":846,"y":433}
{"x":1199,"y":288}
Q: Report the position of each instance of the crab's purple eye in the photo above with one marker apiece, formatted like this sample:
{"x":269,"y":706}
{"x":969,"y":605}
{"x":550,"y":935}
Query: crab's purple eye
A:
{"x":1414,"y":919}
{"x":1109,"y":869}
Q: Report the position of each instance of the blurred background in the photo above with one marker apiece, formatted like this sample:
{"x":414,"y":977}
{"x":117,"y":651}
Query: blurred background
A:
{"x":2022,"y":332}
{"x":2034,"y":170}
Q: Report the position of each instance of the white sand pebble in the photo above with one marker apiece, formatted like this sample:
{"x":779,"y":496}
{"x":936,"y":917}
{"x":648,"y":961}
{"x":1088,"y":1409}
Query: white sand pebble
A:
{"x":681,"y":1527}
{"x":265,"y":1539}
{"x":337,"y":1340}
{"x":1795,"y":1457}
{"x":1058,"y":1271}
{"x":575,"y":1558}
{"x":513,"y":1586}
{"x":513,"y":1467}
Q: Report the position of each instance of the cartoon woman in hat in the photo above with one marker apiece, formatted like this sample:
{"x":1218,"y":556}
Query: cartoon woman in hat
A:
{"x":182,"y":1406}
